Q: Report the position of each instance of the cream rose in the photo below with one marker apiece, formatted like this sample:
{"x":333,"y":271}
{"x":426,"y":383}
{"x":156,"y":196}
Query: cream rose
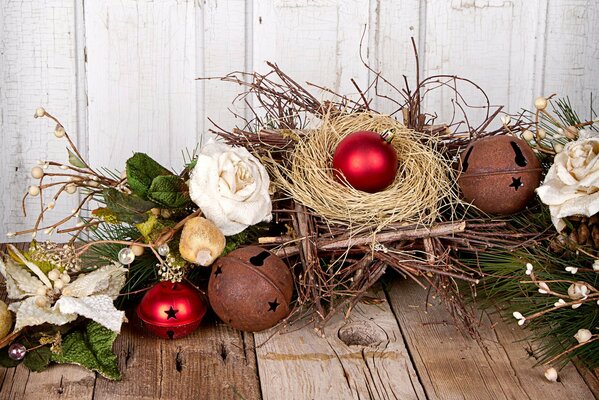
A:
{"x":231,"y":188}
{"x":572,"y":183}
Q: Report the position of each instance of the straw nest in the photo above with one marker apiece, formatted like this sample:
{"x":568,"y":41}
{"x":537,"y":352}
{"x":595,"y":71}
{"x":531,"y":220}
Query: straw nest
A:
{"x":423,"y":184}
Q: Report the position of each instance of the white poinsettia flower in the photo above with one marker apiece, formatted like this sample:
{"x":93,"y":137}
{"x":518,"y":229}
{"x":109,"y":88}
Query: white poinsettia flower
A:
{"x":91,"y":295}
{"x":571,"y":186}
{"x":230,"y":186}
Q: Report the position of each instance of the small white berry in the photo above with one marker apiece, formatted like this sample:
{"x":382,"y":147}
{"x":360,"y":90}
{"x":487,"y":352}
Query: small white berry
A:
{"x":71,"y":188}
{"x":40,"y":112}
{"x":64,"y":167}
{"x":59,"y":131}
{"x":528,"y":135}
{"x":34,"y":190}
{"x":551,"y":374}
{"x":65,"y":278}
{"x":542,"y":134}
{"x":58,"y":284}
{"x":541,"y":103}
{"x":572,"y":270}
{"x":37,"y":172}
{"x":11,"y":234}
{"x":506,"y":119}
{"x":54,"y":275}
{"x":93,"y":183}
{"x":583,"y":335}
{"x":571,"y":132}
{"x":51,"y":205}
{"x":41,"y":291}
{"x":137,"y":250}
{"x":558,"y":147}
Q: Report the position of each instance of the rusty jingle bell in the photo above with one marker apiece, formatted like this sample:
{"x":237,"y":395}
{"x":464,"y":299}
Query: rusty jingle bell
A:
{"x":250,"y":289}
{"x":171,"y":310}
{"x":499,"y":174}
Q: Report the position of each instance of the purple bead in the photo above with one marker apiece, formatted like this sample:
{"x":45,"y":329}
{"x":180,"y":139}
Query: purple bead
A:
{"x":17,"y":351}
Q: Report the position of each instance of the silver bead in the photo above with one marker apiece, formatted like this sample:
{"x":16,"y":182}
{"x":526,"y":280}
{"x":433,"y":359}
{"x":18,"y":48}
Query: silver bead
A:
{"x":17,"y":351}
{"x":163,"y":250}
{"x":126,"y":256}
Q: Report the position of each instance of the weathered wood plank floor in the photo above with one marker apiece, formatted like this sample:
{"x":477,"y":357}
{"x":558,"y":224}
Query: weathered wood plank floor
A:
{"x":391,"y":347}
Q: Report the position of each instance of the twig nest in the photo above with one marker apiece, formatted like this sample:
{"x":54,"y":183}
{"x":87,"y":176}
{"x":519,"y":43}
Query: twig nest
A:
{"x":201,"y":241}
{"x":422,"y":184}
{"x":5,"y":320}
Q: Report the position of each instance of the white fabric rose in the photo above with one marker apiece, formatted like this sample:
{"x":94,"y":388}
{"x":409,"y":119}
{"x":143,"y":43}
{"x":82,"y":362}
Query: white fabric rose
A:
{"x":230,"y":186}
{"x":572,"y":183}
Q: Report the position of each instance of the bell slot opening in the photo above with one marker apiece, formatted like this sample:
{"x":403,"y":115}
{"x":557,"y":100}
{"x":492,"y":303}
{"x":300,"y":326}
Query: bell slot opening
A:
{"x":465,"y":162}
{"x":520,"y":159}
{"x":258,"y":260}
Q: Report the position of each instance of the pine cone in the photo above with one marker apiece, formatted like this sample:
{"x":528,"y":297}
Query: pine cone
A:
{"x":584,"y":231}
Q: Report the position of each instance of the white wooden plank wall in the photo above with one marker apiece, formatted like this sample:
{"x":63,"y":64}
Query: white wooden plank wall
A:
{"x":121,"y":75}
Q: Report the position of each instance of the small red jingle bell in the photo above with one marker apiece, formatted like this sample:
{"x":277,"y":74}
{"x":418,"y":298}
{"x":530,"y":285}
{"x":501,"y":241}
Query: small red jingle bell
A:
{"x":171,"y":310}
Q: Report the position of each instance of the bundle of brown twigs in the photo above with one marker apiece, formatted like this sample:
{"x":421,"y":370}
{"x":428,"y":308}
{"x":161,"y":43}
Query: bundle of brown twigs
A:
{"x":337,"y":262}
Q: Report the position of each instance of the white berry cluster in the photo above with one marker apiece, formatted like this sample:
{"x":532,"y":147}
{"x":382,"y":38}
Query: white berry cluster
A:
{"x":172,"y":269}
{"x":60,"y":256}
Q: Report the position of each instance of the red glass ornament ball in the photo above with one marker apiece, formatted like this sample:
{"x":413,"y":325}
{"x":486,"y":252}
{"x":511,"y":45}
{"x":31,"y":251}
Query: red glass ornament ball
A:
{"x":171,"y":310}
{"x":366,"y":161}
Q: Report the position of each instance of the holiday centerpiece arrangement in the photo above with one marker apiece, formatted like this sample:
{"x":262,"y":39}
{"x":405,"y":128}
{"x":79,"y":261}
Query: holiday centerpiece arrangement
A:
{"x":297,"y":213}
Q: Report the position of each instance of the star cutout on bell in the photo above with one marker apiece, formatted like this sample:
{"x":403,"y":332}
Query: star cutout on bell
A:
{"x":172,"y":313}
{"x":516,"y":183}
{"x":219,"y":270}
{"x":273,"y":305}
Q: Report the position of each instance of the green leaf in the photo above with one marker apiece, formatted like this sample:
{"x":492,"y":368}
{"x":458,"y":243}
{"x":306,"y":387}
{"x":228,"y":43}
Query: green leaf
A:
{"x":37,"y":360}
{"x":91,"y":349}
{"x":75,"y":161}
{"x":127,"y":207}
{"x":141,"y":171}
{"x":169,"y":191}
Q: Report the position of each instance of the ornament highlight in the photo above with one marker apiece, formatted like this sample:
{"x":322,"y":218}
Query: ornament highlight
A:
{"x":201,"y":241}
{"x":250,"y":289}
{"x":366,"y":160}
{"x":171,"y":310}
{"x":163,"y":250}
{"x":499,"y":174}
{"x":126,"y":256}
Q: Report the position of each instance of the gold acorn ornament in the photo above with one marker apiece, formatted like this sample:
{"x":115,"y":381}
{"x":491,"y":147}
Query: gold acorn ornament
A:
{"x":5,"y":320}
{"x":201,"y":241}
